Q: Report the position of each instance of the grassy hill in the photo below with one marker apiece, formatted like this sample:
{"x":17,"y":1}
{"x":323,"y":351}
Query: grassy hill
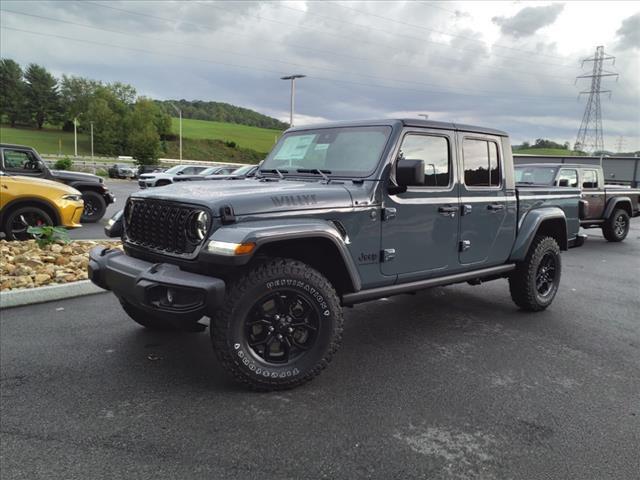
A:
{"x":254,"y":138}
{"x":548,"y":151}
{"x":47,"y":140}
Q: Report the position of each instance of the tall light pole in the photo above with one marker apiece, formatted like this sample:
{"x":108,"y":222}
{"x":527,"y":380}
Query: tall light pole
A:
{"x":75,"y":136}
{"x":293,"y":93}
{"x":91,"y":140}
{"x":180,"y":117}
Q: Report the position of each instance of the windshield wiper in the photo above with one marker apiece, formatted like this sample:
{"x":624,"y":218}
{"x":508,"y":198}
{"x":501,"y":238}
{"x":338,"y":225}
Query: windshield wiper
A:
{"x":274,"y":170}
{"x":315,"y":170}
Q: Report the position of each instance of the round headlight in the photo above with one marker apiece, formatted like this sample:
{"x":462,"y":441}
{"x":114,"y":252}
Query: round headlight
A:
{"x":198,"y":226}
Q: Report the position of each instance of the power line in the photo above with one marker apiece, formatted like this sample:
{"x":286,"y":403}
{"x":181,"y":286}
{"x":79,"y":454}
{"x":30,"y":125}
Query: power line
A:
{"x":360,"y":40}
{"x":227,"y":52}
{"x":332,"y":53}
{"x":276,"y":72}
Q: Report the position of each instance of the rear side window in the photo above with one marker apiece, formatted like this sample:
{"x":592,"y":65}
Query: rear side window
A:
{"x":570,"y":177}
{"x":481,"y":163}
{"x":434,"y":152}
{"x":589,"y":179}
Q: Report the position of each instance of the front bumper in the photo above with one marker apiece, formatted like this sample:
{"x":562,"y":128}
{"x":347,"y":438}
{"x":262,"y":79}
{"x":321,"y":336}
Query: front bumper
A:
{"x":160,"y":288}
{"x":109,"y":198}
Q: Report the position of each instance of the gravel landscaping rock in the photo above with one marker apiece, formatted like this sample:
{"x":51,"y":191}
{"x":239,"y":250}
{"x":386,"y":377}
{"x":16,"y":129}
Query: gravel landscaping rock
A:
{"x":26,"y":265}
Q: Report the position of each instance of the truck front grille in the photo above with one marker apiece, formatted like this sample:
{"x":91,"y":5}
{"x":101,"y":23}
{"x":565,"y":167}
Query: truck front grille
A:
{"x":162,"y":226}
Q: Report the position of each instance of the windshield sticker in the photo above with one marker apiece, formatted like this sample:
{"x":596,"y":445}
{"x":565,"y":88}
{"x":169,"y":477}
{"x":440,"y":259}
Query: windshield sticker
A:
{"x":321,"y":146}
{"x":295,"y":148}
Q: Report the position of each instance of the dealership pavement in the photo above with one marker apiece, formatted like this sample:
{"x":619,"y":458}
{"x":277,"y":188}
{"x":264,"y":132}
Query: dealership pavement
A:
{"x":452,"y":383}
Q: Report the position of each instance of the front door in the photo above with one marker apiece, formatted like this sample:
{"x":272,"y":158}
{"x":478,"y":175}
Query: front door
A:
{"x":420,"y":226}
{"x":487,"y":222}
{"x":22,"y":162}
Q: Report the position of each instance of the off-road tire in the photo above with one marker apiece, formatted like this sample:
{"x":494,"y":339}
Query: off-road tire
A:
{"x":616,"y":227}
{"x":99,"y":204}
{"x":523,"y":280}
{"x":154,"y":322}
{"x":264,"y":280}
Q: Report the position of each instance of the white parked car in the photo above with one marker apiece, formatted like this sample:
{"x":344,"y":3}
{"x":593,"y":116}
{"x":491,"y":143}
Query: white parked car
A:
{"x":167,"y":177}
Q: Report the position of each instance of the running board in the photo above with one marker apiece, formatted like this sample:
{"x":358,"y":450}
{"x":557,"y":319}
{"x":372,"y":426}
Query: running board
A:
{"x":381,"y":292}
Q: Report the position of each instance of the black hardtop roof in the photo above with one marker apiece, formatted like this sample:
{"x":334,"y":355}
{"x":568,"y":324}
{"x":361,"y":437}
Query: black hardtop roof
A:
{"x":13,"y":145}
{"x":409,"y":122}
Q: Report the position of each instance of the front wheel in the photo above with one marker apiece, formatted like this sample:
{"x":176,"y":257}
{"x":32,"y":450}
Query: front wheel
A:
{"x":95,"y":206}
{"x":280,"y":325}
{"x":535,"y":281}
{"x":616,"y":227}
{"x":18,"y":222}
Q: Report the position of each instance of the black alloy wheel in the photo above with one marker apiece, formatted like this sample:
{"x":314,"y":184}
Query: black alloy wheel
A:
{"x":616,"y":227}
{"x":620,"y":225}
{"x":282,"y":326}
{"x":94,"y":207}
{"x":21,"y":219}
{"x":546,"y":274}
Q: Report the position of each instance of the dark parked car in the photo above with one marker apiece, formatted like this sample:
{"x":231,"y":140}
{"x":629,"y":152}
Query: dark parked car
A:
{"x":337,"y":215}
{"x":609,"y":207}
{"x":21,"y":160}
{"x":122,"y":170}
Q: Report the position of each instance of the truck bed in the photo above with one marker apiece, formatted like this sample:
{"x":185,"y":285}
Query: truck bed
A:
{"x":533,"y":196}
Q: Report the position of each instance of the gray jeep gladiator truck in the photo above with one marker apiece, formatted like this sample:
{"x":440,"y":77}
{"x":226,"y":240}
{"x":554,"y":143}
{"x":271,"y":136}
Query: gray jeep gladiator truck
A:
{"x":609,"y":207}
{"x":337,"y":214}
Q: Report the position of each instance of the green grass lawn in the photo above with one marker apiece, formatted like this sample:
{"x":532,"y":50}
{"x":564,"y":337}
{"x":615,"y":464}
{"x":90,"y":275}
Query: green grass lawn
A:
{"x":255,"y":138}
{"x":548,"y":151}
{"x":47,"y":141}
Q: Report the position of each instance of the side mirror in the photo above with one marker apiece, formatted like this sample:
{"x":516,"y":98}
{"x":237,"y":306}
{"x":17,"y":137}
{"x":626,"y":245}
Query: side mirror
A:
{"x":410,"y":173}
{"x":113,"y":228}
{"x":563,"y":182}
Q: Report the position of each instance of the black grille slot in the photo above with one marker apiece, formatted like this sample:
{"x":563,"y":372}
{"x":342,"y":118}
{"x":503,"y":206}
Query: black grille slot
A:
{"x":160,"y":226}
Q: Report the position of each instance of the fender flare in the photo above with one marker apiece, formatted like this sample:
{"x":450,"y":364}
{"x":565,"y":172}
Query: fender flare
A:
{"x":84,"y":185}
{"x":268,"y":232}
{"x":529,"y":226}
{"x":613,"y":203}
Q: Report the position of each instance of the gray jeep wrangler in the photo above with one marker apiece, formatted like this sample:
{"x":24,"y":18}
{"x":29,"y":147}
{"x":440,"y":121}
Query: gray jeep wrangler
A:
{"x":337,"y":214}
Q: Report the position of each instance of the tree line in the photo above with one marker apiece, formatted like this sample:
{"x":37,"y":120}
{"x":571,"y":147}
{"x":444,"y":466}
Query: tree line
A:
{"x":221,"y":112}
{"x":124,"y":123}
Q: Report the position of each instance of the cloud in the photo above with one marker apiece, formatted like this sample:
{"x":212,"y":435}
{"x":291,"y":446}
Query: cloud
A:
{"x":629,"y":32}
{"x":529,"y":20}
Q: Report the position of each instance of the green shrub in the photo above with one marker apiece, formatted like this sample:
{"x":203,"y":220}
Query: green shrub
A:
{"x":63,"y":164}
{"x":47,"y":235}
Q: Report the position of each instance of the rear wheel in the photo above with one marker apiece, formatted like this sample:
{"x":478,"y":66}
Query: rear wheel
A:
{"x":535,"y":281}
{"x":95,"y":206}
{"x":18,"y":221}
{"x":616,"y":227}
{"x":279,"y":327}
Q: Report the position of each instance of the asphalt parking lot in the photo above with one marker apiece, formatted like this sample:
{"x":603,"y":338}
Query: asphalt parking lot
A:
{"x":452,"y":383}
{"x":121,"y":189}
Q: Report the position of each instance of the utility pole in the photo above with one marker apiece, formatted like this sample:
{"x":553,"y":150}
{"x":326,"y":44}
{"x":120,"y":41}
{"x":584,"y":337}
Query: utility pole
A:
{"x":75,"y":136}
{"x":293,"y":94}
{"x":180,"y":117}
{"x":590,"y":135}
{"x":91,"y":140}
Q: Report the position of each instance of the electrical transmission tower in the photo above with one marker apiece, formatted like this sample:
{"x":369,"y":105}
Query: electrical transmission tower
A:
{"x":620,"y":144}
{"x":590,"y":133}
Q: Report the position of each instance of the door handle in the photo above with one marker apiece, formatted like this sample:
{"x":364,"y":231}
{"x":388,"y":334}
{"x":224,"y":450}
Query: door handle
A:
{"x":495,"y":207}
{"x":448,"y":211}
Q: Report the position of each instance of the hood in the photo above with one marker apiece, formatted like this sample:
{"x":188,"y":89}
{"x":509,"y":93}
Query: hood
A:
{"x":78,"y":176}
{"x":255,"y":196}
{"x":38,"y":184}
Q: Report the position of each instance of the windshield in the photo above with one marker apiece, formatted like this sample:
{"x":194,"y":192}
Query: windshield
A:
{"x":535,"y":175}
{"x":342,"y":151}
{"x":209,"y":171}
{"x":243,"y":170}
{"x":175,"y":169}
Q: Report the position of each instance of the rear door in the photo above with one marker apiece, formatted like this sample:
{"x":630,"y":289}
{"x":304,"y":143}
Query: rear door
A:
{"x":486,"y":230}
{"x":420,"y":226}
{"x":592,"y":192}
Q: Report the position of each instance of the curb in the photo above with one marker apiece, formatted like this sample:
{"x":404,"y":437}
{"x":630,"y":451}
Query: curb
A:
{"x":29,"y":296}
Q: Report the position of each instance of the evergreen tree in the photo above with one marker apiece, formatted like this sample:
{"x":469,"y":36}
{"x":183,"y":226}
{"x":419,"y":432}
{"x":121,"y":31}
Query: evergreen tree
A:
{"x":41,"y":94}
{"x":12,"y":91}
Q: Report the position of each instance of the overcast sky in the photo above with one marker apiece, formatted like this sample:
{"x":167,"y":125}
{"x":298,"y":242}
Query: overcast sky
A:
{"x":507,"y":65}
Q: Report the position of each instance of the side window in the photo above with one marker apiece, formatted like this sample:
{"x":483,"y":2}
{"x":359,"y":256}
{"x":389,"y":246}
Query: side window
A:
{"x":21,"y":161}
{"x":570,"y":176}
{"x":434,"y":151}
{"x":197,"y":170}
{"x":481,"y":163}
{"x":589,"y":179}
